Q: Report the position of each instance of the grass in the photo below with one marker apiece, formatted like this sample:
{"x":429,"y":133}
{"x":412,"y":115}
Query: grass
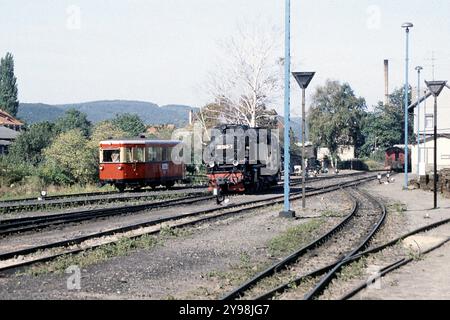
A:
{"x":353,"y":270}
{"x":373,"y":164}
{"x":397,"y":207}
{"x":29,"y":190}
{"x":105,"y":252}
{"x":294,"y":237}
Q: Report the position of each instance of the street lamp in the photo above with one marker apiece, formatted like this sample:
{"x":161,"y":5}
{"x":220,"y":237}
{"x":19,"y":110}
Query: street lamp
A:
{"x":287,"y":212}
{"x":406,"y":26}
{"x":303,"y":80}
{"x":435,"y":88}
{"x":418,"y":68}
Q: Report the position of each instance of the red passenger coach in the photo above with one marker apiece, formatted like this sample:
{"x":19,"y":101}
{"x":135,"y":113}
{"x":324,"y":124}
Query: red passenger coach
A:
{"x":139,"y":163}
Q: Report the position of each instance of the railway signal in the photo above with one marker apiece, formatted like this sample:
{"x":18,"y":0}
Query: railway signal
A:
{"x":303,"y":80}
{"x":435,"y":88}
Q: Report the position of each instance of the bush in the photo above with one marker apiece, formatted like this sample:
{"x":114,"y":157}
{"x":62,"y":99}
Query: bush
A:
{"x":13,"y":171}
{"x":355,"y":164}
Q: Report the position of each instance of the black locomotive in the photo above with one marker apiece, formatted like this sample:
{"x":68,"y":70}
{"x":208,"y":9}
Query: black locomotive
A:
{"x":242,"y":159}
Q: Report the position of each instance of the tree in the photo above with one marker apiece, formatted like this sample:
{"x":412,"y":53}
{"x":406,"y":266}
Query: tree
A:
{"x":8,"y":86}
{"x":336,"y":116}
{"x":105,"y":130}
{"x":385,"y":126}
{"x":74,"y":119}
{"x":130,"y":124}
{"x":246,"y":81}
{"x":29,"y":145}
{"x":69,"y":153}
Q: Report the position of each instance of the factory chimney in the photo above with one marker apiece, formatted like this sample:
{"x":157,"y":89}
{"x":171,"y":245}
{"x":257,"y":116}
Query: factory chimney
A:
{"x":386,"y":82}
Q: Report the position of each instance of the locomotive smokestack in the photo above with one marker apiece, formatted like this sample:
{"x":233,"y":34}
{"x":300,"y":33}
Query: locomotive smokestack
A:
{"x":386,"y":81}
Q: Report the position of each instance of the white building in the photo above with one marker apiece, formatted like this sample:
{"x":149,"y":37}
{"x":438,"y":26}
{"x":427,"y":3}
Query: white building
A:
{"x":424,"y":120}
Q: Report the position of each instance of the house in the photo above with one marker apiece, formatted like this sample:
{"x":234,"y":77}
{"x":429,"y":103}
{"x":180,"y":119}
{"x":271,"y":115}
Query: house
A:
{"x":7,"y":136}
{"x":422,"y":157}
{"x":344,"y":153}
{"x":8,"y":121}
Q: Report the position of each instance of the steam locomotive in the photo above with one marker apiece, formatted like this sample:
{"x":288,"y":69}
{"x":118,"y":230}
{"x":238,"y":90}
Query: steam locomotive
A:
{"x":242,"y":159}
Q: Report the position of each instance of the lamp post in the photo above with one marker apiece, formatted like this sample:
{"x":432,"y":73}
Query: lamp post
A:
{"x":418,"y":68}
{"x":287,"y":212}
{"x":303,"y":79}
{"x":406,"y":26}
{"x":435,"y":88}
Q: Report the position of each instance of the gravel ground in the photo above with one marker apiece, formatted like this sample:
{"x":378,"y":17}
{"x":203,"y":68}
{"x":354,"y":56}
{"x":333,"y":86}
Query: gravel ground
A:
{"x":203,"y":264}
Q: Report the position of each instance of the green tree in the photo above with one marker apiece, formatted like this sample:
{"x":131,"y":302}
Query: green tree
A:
{"x":74,"y":119}
{"x":385,"y":126}
{"x":8,"y":86}
{"x":131,"y":124}
{"x":29,"y":145}
{"x":336,"y":116}
{"x":70,"y":154}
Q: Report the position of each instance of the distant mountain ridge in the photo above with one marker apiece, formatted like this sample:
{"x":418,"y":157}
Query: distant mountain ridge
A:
{"x":98,"y":111}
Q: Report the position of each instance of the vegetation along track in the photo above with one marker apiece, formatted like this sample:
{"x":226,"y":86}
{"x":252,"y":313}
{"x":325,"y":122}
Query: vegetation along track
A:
{"x":343,"y":240}
{"x":41,"y":253}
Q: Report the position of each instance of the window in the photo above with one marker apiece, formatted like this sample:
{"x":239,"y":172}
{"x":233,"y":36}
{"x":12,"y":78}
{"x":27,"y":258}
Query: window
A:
{"x":138,"y":155}
{"x":166,"y":154}
{"x":110,"y":156}
{"x":429,"y":121}
{"x":155,"y":154}
{"x":127,"y":155}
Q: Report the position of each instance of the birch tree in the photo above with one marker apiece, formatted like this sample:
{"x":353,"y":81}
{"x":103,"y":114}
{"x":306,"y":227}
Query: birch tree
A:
{"x":245,"y":84}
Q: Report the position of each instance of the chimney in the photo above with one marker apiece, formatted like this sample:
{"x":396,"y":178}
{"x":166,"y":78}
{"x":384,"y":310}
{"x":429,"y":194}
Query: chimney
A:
{"x":386,"y":81}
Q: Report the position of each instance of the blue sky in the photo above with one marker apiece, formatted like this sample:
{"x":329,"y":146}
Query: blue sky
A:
{"x":162,"y":50}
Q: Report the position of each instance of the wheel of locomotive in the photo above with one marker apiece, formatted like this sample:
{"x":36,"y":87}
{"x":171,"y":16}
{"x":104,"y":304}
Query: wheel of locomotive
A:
{"x":120,"y":187}
{"x":137,"y":189}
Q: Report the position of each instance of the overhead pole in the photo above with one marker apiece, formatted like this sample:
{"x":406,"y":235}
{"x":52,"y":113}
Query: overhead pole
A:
{"x":287,"y":212}
{"x":418,"y":68}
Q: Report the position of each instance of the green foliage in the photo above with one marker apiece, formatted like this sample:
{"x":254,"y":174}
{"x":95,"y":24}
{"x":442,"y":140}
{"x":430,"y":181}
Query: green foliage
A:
{"x":8,"y":86}
{"x":336,"y":116}
{"x":74,"y":119}
{"x":29,"y":145}
{"x":131,"y":124}
{"x":70,"y":153}
{"x":13,"y":171}
{"x":384,"y":127}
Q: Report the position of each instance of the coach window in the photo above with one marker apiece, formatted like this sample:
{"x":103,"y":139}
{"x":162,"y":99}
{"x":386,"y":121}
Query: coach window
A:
{"x":165,"y":154}
{"x":110,"y":156}
{"x":155,"y":154}
{"x":127,"y":153}
{"x":138,"y":155}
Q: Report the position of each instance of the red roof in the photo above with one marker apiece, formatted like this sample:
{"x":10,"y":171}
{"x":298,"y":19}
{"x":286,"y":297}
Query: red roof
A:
{"x":8,"y":120}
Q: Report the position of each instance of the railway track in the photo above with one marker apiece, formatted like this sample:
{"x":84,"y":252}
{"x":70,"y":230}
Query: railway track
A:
{"x":80,"y":199}
{"x":18,"y":225}
{"x":344,"y":235}
{"x":42,"y":253}
{"x":29,"y":223}
{"x":86,"y":199}
{"x":326,"y":269}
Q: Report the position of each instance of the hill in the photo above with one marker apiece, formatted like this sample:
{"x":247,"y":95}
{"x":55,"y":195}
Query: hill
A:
{"x":98,"y":111}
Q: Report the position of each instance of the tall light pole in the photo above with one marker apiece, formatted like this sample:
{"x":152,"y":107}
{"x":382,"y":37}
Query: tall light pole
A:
{"x":303,"y":79}
{"x":435,"y":88}
{"x":406,"y":26}
{"x":418,"y":68}
{"x":287,"y":212}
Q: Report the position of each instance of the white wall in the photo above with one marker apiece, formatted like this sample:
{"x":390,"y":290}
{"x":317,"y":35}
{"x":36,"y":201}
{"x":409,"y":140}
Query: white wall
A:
{"x":427,"y":155}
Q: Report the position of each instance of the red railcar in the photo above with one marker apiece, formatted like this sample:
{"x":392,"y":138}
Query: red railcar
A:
{"x":137,"y":163}
{"x":395,"y":159}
